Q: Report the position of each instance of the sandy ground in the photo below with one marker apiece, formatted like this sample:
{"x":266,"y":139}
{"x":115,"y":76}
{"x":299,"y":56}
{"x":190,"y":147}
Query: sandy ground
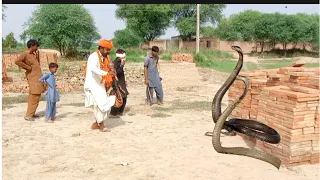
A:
{"x":164,"y":143}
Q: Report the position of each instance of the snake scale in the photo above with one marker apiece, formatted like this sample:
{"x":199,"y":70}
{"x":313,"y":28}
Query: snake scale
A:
{"x":249,"y":127}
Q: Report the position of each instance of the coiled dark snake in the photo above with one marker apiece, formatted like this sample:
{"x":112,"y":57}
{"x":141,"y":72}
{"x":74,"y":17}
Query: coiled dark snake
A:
{"x":249,"y":127}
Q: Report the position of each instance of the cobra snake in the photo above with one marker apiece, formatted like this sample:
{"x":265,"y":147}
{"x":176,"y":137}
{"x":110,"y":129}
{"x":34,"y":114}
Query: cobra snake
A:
{"x":251,"y":128}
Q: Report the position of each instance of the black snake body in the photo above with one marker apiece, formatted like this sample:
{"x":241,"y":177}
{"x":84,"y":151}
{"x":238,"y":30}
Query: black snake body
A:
{"x":251,"y":128}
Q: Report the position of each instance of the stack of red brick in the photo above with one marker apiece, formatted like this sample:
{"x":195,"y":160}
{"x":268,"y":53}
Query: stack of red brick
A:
{"x":45,"y":59}
{"x":24,"y":87}
{"x":182,"y":57}
{"x":248,"y":106}
{"x":308,"y":77}
{"x":291,"y":112}
{"x":5,"y":77}
{"x":286,"y":99}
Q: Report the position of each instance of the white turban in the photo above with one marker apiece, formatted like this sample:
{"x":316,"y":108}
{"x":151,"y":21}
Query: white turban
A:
{"x":122,"y":56}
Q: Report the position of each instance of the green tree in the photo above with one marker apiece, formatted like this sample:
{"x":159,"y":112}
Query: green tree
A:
{"x":65,"y":26}
{"x":148,"y":21}
{"x":264,"y":30}
{"x":284,"y":29}
{"x":208,"y":31}
{"x":185,"y":17}
{"x":126,"y":38}
{"x":23,"y":37}
{"x":244,"y":23}
{"x":227,"y":32}
{"x":315,"y":27}
{"x":307,"y":28}
{"x":10,"y":41}
{"x":3,"y":15}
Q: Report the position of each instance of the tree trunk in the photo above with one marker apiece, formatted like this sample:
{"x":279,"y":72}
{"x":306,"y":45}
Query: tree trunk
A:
{"x":256,"y":46}
{"x":262,"y":46}
{"x":285,"y":49}
{"x":60,"y":50}
{"x":304,"y":48}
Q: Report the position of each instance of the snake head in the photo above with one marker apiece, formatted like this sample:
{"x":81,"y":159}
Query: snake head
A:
{"x":236,"y":48}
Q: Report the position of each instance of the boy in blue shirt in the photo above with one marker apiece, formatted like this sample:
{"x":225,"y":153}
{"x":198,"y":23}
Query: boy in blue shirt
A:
{"x":52,"y":94}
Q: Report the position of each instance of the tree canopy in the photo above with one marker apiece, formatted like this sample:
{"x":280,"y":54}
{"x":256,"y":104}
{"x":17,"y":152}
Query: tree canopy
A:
{"x":126,"y":38}
{"x":65,"y":26}
{"x":9,"y":41}
{"x":185,"y":17}
{"x":148,"y":21}
{"x":270,"y":27}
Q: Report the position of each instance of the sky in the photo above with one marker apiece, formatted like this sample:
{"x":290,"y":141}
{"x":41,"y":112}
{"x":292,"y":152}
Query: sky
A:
{"x":107,"y":23}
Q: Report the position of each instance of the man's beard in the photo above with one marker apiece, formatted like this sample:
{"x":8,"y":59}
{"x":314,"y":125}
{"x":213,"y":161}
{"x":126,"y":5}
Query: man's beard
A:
{"x":105,"y":54}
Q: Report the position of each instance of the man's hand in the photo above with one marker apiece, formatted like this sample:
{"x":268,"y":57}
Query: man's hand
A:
{"x":111,"y":73}
{"x":146,"y":81}
{"x":104,"y":73}
{"x":29,"y":69}
{"x":123,"y":62}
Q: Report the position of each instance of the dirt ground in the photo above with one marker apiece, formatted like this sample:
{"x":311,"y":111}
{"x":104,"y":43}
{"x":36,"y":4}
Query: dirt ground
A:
{"x":158,"y":142}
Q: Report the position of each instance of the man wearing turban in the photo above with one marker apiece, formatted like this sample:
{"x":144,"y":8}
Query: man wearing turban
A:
{"x":97,"y":76}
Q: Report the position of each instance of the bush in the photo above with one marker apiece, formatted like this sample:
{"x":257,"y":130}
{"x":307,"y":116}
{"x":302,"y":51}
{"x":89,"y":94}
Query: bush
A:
{"x":216,"y":59}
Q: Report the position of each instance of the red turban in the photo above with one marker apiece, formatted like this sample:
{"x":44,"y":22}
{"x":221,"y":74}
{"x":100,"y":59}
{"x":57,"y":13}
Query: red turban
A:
{"x":106,"y":44}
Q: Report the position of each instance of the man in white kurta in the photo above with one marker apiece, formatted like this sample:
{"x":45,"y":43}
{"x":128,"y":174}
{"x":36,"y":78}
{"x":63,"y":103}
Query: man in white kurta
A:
{"x":94,"y":88}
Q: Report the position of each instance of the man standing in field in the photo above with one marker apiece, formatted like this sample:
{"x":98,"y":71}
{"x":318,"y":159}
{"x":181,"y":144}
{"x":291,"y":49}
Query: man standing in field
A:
{"x":29,"y":61}
{"x":152,"y":77}
{"x":97,"y":77}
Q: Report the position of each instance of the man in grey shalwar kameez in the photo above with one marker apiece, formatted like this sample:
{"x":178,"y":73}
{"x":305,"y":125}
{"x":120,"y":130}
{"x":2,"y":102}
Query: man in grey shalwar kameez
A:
{"x":152,"y":77}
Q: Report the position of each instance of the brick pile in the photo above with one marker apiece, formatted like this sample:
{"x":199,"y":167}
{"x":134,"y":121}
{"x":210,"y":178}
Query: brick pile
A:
{"x":286,"y":99}
{"x":308,"y":77}
{"x":69,"y":79}
{"x":23,"y":87}
{"x":291,"y":112}
{"x":5,"y":77}
{"x":248,"y":106}
{"x":182,"y":57}
{"x":288,"y":76}
{"x":45,"y":59}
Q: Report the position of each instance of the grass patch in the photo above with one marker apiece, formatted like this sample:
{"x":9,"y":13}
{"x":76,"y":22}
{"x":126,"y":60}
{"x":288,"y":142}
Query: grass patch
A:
{"x":160,"y":115}
{"x":8,"y":102}
{"x":270,"y":61}
{"x":159,"y":108}
{"x":185,"y":89}
{"x":218,"y":60}
{"x":275,"y":65}
{"x":75,"y":104}
{"x":181,"y":105}
{"x":166,"y":57}
{"x":249,"y":66}
{"x":228,"y":66}
{"x":266,"y":64}
{"x":312,"y":65}
{"x":223,"y":66}
{"x":194,"y":105}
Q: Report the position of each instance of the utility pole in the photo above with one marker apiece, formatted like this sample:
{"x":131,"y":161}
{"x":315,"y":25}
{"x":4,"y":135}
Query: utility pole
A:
{"x":198,"y":29}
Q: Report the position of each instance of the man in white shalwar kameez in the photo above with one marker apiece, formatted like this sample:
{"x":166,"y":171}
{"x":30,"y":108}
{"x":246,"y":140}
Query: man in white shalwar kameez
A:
{"x":94,"y":87}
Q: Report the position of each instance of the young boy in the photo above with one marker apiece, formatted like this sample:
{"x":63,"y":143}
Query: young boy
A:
{"x":152,"y":77}
{"x":52,"y":94}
